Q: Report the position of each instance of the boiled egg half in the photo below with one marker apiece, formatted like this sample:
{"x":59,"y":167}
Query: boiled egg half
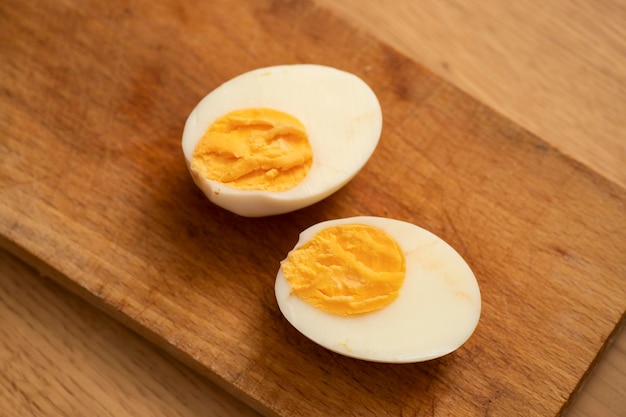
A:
{"x":378,"y":289}
{"x":277,"y":139}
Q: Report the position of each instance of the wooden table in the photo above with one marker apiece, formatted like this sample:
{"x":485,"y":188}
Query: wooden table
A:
{"x":556,"y":69}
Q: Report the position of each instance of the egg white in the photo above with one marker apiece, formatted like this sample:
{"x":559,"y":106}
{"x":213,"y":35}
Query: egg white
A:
{"x":341,"y":114}
{"x":436,"y":312}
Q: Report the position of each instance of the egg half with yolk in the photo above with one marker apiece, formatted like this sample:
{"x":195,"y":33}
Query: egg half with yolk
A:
{"x":378,"y":289}
{"x":277,"y":139}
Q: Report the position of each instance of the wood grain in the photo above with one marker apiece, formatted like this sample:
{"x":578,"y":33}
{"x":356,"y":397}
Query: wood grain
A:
{"x":602,"y":392}
{"x":65,"y":358}
{"x":556,"y":68}
{"x":122,"y":224}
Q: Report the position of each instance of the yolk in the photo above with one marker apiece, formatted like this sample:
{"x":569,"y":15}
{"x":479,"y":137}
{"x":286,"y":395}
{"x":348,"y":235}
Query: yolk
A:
{"x":347,"y":270}
{"x":255,"y":149}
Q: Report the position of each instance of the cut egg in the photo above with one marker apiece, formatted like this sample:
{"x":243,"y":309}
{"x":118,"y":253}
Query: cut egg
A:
{"x":277,"y":139}
{"x":378,"y":289}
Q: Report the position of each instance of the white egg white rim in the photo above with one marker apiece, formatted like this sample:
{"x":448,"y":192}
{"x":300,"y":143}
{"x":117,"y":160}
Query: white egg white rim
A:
{"x":320,"y":327}
{"x":340,"y":111}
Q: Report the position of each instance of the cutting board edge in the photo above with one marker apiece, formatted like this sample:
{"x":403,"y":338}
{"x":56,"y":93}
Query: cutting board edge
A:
{"x":64,"y":281}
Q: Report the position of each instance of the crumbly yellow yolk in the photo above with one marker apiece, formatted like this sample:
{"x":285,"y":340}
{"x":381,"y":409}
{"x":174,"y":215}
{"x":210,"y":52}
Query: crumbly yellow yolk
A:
{"x":255,"y":149}
{"x":347,"y":270}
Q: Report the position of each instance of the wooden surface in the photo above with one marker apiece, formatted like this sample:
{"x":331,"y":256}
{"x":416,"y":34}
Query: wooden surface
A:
{"x":555,"y":67}
{"x":68,"y":232}
{"x":61,"y":357}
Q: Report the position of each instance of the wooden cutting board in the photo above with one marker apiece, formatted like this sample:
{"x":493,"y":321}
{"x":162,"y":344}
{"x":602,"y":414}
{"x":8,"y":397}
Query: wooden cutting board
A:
{"x":94,"y":191}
